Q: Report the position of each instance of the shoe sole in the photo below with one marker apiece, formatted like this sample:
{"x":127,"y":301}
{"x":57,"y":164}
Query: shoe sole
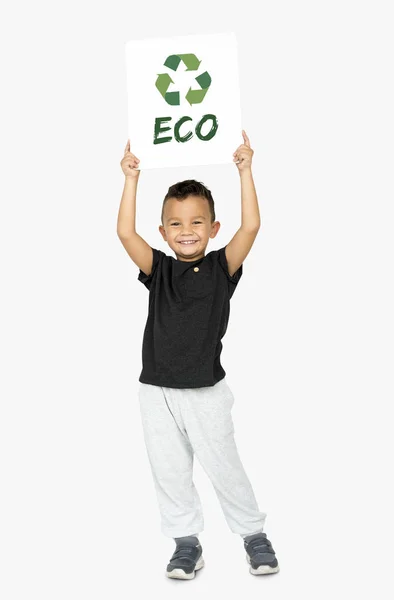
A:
{"x":262,"y":569}
{"x":181,"y":574}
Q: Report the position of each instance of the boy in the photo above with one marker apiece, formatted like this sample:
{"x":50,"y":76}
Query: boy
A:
{"x":185,"y":400}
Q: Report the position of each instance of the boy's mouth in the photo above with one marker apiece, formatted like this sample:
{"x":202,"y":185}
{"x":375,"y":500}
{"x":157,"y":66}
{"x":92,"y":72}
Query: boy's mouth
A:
{"x":188,"y":243}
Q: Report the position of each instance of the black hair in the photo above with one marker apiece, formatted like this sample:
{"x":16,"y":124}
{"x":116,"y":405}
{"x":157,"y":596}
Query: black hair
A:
{"x":189,"y":187}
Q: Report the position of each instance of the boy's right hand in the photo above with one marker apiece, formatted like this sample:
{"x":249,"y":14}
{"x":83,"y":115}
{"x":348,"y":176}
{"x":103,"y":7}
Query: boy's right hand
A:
{"x":129,"y":163}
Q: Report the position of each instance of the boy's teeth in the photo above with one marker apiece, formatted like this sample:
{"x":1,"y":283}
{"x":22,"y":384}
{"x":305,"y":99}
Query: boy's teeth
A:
{"x":193,"y":242}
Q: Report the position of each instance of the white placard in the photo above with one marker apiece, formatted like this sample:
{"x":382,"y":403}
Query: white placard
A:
{"x":183,"y":100}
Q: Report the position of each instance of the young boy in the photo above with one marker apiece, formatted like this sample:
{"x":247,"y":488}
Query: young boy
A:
{"x":184,"y":398}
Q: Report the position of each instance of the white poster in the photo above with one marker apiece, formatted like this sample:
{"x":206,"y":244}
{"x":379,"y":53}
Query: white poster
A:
{"x":183,"y":100}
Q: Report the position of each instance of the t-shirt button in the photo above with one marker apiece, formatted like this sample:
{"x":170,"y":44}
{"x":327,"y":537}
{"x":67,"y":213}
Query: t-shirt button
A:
{"x":196,"y":269}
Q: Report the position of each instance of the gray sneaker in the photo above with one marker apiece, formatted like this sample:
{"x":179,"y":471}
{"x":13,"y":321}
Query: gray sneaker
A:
{"x":260,"y":554}
{"x":187,"y":558}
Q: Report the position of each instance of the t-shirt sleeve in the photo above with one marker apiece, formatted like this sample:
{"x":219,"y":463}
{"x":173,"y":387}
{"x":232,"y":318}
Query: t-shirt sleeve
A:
{"x":147,"y":279}
{"x":232,"y":279}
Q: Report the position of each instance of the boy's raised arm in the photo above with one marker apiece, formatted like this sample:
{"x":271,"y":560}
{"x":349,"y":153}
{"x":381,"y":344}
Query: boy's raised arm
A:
{"x":137,"y":248}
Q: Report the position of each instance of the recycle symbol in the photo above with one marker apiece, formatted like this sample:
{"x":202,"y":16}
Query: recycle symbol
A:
{"x":164,"y":80}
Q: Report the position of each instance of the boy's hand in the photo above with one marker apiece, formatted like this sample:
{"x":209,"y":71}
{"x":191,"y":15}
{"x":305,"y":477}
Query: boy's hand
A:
{"x":243,"y":154}
{"x":129,"y":163}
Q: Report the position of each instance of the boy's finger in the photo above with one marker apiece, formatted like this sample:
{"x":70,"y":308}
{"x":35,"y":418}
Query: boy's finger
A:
{"x":134,"y":156}
{"x":127,"y":148}
{"x":130,"y":155}
{"x":247,"y":142}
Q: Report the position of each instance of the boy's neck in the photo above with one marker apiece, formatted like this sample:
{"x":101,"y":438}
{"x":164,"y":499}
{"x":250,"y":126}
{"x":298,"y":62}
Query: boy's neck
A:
{"x":191,"y":259}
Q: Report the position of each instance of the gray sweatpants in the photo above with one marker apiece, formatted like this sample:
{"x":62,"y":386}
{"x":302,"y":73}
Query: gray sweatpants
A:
{"x":178,"y":423}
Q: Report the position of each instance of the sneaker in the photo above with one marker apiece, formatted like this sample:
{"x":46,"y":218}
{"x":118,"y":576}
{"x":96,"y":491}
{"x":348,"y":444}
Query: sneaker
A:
{"x":186,"y":559}
{"x":260,"y":554}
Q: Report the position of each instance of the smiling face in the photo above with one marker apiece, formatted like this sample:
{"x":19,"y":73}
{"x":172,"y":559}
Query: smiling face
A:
{"x":188,"y":220}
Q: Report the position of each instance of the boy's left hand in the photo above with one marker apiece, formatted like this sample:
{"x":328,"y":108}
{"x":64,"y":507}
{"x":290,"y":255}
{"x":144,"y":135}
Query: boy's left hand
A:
{"x":243,"y":154}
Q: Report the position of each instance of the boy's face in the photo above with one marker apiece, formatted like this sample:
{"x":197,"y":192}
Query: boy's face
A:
{"x":188,"y":219}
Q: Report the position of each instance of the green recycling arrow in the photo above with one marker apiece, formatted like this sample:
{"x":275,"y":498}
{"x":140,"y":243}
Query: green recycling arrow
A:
{"x":164,"y":80}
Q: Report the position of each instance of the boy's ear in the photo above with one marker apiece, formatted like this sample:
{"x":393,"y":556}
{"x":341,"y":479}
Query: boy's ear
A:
{"x":215,"y":229}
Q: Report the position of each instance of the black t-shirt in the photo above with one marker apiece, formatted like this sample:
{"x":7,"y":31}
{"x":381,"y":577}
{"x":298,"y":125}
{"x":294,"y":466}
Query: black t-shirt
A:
{"x":189,"y":309}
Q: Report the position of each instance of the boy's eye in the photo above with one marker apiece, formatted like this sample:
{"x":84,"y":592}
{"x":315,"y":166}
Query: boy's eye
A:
{"x":178,"y":223}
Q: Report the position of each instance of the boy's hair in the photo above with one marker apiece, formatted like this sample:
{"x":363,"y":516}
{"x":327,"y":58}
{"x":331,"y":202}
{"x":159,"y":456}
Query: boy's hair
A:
{"x":189,"y":187}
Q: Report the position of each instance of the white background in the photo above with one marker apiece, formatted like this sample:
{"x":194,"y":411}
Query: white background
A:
{"x":144,"y":60}
{"x":309,"y":348}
